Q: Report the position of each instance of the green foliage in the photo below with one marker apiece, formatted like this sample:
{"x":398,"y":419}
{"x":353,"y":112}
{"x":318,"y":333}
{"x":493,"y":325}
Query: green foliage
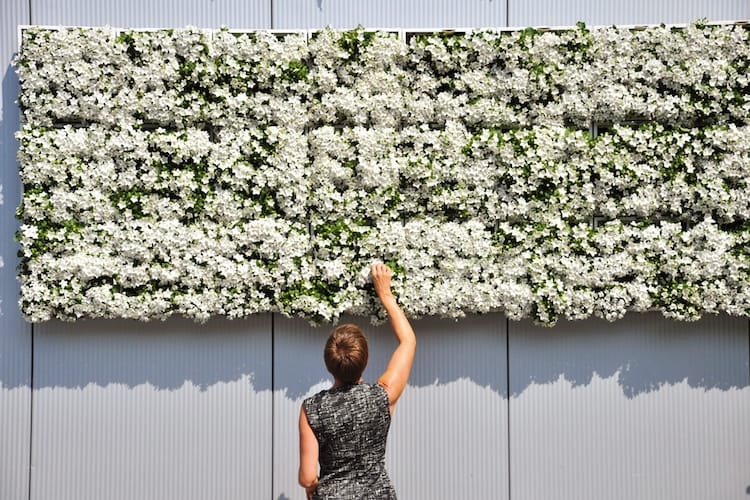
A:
{"x":466,"y":155}
{"x":355,"y":42}
{"x":296,"y":71}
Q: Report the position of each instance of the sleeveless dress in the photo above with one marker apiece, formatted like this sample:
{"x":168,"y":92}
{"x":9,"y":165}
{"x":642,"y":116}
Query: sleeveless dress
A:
{"x":351,"y":424}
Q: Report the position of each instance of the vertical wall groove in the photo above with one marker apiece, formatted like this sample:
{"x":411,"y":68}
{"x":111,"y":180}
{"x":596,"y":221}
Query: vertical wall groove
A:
{"x":507,"y":388}
{"x":273,"y":399}
{"x":31,"y":404}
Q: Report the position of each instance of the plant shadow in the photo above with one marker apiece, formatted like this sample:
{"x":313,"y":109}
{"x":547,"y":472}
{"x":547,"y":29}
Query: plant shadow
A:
{"x":643,"y":352}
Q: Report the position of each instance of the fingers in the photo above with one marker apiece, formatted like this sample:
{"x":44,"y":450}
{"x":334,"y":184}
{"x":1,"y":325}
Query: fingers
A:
{"x":381,"y":278}
{"x":380,"y":270}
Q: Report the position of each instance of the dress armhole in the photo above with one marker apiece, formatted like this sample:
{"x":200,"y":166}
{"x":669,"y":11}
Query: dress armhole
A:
{"x":385,"y":397}
{"x":312,"y":417}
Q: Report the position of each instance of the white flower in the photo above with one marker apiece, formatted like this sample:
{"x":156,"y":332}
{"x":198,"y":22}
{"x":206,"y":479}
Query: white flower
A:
{"x":205,"y":173}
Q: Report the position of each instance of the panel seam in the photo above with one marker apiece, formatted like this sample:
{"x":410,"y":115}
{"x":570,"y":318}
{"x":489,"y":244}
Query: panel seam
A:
{"x":31,"y":412}
{"x":273,"y":403}
{"x":273,"y":360}
{"x":507,"y":388}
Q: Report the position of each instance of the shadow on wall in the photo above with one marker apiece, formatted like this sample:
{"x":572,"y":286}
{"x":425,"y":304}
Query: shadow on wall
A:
{"x":165,"y":355}
{"x":473,"y":348}
{"x":447,"y":351}
{"x":15,"y":345}
{"x":643,"y":353}
{"x":9,"y":124}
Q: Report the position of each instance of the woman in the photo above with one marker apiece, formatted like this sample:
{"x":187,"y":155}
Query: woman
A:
{"x":345,"y":428}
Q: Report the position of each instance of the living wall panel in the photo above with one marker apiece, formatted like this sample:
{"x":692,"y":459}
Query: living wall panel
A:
{"x":523,"y":13}
{"x":191,"y":196}
{"x":347,"y":14}
{"x":15,"y":334}
{"x":160,"y":411}
{"x":641,"y":408}
{"x":152,"y":14}
{"x":448,"y":437}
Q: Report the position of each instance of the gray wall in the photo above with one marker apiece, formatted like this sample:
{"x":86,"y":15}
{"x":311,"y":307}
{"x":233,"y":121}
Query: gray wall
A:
{"x":15,"y":334}
{"x":173,"y":410}
{"x":643,"y":408}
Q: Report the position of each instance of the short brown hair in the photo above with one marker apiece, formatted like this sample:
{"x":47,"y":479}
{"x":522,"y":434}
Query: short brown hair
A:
{"x":346,"y":353}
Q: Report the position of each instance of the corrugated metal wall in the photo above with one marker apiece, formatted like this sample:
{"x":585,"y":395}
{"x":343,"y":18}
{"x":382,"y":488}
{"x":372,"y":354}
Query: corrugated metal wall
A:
{"x":153,"y":13}
{"x":345,"y":14}
{"x":176,"y":410}
{"x":450,"y":438}
{"x":523,"y":13}
{"x":642,"y":408}
{"x":15,"y":338}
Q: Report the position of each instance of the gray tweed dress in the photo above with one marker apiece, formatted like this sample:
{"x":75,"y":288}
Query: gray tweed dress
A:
{"x":351,"y":424}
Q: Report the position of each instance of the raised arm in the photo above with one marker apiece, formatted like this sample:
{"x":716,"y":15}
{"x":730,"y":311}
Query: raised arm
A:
{"x":397,"y":372}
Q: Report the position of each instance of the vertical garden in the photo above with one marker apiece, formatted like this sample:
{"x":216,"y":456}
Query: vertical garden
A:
{"x":545,"y":174}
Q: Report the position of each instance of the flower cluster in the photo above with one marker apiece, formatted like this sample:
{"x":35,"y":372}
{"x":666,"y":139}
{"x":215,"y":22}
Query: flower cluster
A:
{"x":546,"y":174}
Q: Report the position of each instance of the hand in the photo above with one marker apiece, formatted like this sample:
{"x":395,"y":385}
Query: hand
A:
{"x":310,"y":491}
{"x":381,"y":278}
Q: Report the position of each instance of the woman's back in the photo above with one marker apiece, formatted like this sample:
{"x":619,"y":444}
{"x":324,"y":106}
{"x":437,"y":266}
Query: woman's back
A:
{"x":344,"y":430}
{"x":351,"y":425}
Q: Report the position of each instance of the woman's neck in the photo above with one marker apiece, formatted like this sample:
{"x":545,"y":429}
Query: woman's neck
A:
{"x":338,"y":383}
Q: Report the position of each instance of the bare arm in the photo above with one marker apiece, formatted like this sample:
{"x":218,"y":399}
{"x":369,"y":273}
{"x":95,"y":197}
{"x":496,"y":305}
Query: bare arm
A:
{"x":308,"y":455}
{"x":397,"y":372}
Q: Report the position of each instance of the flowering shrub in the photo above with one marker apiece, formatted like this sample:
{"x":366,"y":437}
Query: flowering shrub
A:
{"x":545,"y":174}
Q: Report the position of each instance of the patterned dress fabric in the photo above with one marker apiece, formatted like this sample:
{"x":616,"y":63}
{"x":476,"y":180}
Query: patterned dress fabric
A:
{"x":351,"y":424}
